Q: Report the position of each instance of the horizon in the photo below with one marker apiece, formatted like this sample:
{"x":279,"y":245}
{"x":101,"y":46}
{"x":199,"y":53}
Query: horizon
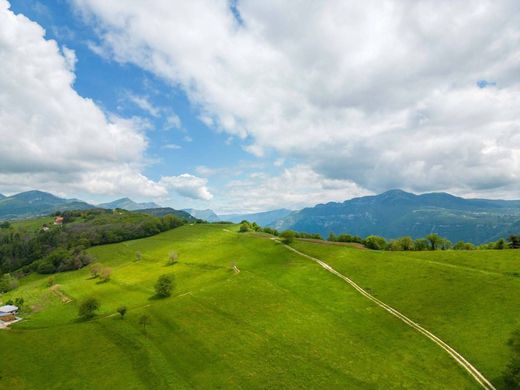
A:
{"x":225,"y":213}
{"x":98,"y":108}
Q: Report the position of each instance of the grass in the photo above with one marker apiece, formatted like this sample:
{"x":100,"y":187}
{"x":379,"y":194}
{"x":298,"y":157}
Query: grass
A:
{"x":470,"y":299}
{"x":282,"y":322}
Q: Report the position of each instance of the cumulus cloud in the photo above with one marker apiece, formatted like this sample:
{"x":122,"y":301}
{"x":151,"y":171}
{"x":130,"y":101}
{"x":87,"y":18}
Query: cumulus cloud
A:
{"x":54,"y":139}
{"x":188,"y":185}
{"x":381,"y":94}
{"x":293,"y":188}
{"x":53,"y":136}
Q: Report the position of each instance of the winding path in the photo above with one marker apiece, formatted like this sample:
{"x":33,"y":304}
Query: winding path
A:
{"x":476,"y":374}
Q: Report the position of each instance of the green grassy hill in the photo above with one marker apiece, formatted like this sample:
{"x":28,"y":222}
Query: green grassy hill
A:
{"x":281,"y":322}
{"x":469,"y":299}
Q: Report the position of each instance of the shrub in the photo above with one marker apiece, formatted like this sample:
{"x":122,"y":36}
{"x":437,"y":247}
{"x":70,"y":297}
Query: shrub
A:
{"x":122,"y":311}
{"x":144,"y":320}
{"x":164,"y":286}
{"x":173,"y":257}
{"x":375,"y":242}
{"x":95,"y":270}
{"x":105,"y":274}
{"x":287,"y":236}
{"x":8,"y":283}
{"x":88,"y":308}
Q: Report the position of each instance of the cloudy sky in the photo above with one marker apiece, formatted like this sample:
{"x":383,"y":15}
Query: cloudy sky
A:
{"x":251,"y":105}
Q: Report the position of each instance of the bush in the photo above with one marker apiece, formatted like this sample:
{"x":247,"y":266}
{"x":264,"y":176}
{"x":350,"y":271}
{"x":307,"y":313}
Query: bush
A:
{"x":287,"y":236}
{"x":122,"y":311}
{"x":164,"y":286}
{"x":375,"y":242}
{"x":8,"y":283}
{"x":173,"y":257}
{"x":105,"y":274}
{"x":88,"y":308}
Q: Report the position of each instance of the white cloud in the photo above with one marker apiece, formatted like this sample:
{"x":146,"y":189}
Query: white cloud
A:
{"x":383,"y":94}
{"x":295,"y":187}
{"x":52,"y":138}
{"x":172,"y":146}
{"x":173,"y":122}
{"x":144,"y":104}
{"x":188,"y":185}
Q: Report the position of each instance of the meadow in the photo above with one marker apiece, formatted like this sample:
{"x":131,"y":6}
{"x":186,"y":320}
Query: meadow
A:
{"x":280,"y":322}
{"x":470,"y":299}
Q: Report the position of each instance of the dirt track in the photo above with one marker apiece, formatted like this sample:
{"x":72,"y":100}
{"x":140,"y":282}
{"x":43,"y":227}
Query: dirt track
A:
{"x":477,"y":375}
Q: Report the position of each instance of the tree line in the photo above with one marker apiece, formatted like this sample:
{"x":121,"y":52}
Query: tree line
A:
{"x":432,"y":241}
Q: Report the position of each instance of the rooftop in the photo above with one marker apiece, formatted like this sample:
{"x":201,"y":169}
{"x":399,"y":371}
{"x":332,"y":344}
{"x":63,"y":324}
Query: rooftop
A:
{"x":8,"y":308}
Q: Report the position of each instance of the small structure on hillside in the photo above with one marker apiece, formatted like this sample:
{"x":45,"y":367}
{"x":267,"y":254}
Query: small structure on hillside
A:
{"x":58,"y":220}
{"x":8,"y":309}
{"x":8,"y":315}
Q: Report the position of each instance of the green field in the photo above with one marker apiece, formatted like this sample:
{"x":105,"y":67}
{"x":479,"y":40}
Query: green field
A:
{"x":470,"y":299}
{"x":281,"y":322}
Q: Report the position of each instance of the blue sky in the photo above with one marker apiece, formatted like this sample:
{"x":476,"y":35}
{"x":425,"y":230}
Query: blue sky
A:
{"x":114,"y":86}
{"x":250,"y":105}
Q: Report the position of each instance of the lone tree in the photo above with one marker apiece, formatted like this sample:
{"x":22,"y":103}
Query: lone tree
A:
{"x":287,"y":236}
{"x":434,"y":240}
{"x":95,"y":270}
{"x":144,"y":320}
{"x":88,"y":308}
{"x":512,"y":372}
{"x":105,"y":274}
{"x":173,"y":257}
{"x":164,"y":286}
{"x":122,"y":311}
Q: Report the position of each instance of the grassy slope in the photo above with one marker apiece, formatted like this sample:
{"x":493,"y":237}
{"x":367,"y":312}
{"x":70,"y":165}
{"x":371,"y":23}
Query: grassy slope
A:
{"x":468,"y":298}
{"x":282,"y":322}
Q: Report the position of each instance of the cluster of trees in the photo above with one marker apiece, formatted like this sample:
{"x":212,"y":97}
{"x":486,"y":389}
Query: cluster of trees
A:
{"x":430,"y":242}
{"x":246,"y":226}
{"x":51,"y":249}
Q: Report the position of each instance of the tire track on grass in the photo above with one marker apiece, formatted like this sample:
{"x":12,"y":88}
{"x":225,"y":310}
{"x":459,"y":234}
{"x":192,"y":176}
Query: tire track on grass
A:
{"x":476,"y":374}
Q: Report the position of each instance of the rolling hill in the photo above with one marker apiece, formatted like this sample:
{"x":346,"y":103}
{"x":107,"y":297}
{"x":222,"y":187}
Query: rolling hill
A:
{"x":263,"y":218}
{"x":278,"y":320}
{"x":398,"y":213}
{"x":36,"y":203}
{"x":128,"y":204}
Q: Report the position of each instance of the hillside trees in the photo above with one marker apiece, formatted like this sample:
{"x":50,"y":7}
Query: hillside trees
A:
{"x":58,"y":249}
{"x":514,"y":241}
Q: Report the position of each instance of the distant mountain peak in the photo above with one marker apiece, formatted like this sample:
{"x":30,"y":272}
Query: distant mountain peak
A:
{"x":397,"y":213}
{"x":128,"y":204}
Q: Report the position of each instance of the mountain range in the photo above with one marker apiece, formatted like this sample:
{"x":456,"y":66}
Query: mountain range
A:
{"x":206,"y":215}
{"x":35,"y":203}
{"x":392,"y":214}
{"x":263,"y":219}
{"x":398,"y":213}
{"x":128,"y":204}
